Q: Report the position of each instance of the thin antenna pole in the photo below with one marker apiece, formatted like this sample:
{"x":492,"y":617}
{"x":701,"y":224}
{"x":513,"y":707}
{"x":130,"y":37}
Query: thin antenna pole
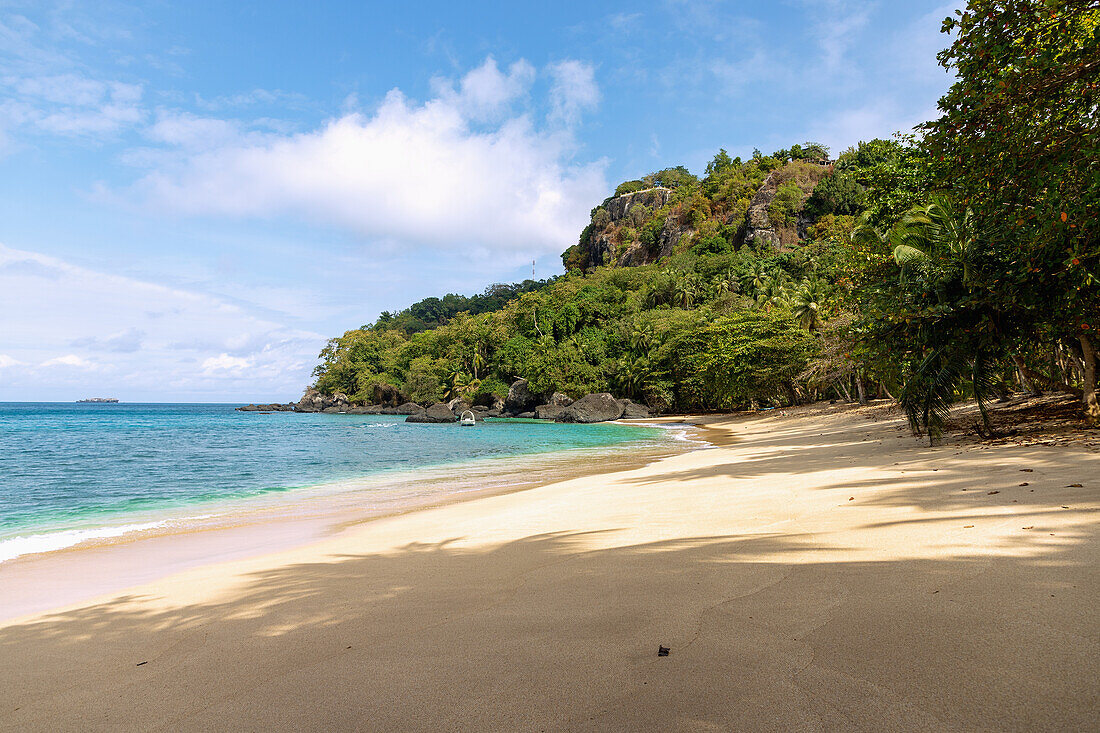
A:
{"x":532,"y":269}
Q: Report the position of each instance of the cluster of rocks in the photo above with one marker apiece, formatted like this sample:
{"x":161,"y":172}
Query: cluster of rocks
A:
{"x":521,"y":402}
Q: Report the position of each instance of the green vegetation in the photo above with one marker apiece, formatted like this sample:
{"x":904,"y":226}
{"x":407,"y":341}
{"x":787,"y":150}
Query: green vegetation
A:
{"x":961,"y":264}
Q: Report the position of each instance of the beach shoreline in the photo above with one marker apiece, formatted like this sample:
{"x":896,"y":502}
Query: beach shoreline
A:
{"x":812,"y":571}
{"x":219,"y":532}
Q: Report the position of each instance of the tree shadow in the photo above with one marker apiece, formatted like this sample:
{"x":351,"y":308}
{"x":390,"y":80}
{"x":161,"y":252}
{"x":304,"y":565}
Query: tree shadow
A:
{"x":560,"y":631}
{"x":1035,"y":475}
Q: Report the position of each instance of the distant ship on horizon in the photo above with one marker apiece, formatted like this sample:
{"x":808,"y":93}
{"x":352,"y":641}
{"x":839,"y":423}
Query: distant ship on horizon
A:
{"x":111,"y":400}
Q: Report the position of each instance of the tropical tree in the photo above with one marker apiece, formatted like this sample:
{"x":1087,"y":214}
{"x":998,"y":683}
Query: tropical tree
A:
{"x":1018,"y":139}
{"x":807,"y":304}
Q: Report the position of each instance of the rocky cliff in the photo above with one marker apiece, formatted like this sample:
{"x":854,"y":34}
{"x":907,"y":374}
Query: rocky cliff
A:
{"x":613,"y":238}
{"x":645,"y":226}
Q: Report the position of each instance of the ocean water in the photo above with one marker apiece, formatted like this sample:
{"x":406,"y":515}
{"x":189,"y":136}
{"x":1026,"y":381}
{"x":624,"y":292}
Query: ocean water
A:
{"x":72,"y":472}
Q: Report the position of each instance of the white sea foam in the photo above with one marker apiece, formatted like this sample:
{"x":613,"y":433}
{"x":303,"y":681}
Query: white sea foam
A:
{"x":48,"y":542}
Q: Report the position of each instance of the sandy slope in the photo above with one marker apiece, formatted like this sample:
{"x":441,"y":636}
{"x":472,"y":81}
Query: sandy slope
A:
{"x":818,"y":573}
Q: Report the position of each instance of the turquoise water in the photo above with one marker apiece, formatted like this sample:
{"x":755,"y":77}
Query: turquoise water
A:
{"x":80,"y":466}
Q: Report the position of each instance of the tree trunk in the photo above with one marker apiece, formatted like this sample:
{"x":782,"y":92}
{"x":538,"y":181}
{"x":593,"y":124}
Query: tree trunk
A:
{"x":1021,"y":373}
{"x":859,"y":387}
{"x":1040,"y":378}
{"x":844,"y":388}
{"x":1088,"y":394}
{"x":887,"y":391}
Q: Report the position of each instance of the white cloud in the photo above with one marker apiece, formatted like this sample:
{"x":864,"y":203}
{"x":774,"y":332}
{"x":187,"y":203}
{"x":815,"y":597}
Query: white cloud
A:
{"x":226,"y":364}
{"x":444,"y":173}
{"x":192,"y":132}
{"x":485,"y":93}
{"x":123,"y":342}
{"x":574,"y":90}
{"x":69,"y":360}
{"x":165,"y":343}
{"x":73,"y":105}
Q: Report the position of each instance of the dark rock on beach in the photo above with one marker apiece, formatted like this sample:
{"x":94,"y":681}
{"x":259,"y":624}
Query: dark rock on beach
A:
{"x":437,"y":413}
{"x":559,"y":399}
{"x":388,"y":396}
{"x":521,"y":398}
{"x":633,"y":411}
{"x":592,"y":408}
{"x":548,"y":412}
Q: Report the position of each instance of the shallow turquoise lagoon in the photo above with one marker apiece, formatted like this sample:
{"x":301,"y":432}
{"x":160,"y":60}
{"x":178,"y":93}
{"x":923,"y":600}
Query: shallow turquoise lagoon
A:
{"x":73,"y":466}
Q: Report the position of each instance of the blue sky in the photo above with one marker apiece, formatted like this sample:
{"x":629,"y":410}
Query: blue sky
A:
{"x":194,"y":195}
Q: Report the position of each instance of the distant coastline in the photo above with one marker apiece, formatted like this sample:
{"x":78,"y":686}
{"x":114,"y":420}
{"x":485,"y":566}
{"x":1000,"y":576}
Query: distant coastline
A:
{"x":108,"y":400}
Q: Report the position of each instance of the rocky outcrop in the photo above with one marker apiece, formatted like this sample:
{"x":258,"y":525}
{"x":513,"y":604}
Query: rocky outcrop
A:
{"x":553,"y":407}
{"x":633,"y":411}
{"x":437,"y":413}
{"x":274,"y":407}
{"x":602,"y":246}
{"x":388,"y":396}
{"x":758,"y":227}
{"x":314,"y":401}
{"x":592,"y":408}
{"x":548,"y":412}
{"x":405,"y":408}
{"x":521,"y":398}
{"x":366,"y":410}
{"x":489,"y":400}
{"x":652,"y":198}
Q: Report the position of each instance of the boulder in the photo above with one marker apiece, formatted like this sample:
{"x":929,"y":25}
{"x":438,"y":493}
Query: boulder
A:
{"x":458,"y":405}
{"x":437,"y":413}
{"x":633,"y":411}
{"x":387,"y":395}
{"x":312,"y":401}
{"x":592,"y":408}
{"x":365,"y":410}
{"x":548,"y":412}
{"x":525,"y":415}
{"x":521,"y":398}
{"x":492,"y":413}
{"x":559,"y":399}
{"x":489,"y":400}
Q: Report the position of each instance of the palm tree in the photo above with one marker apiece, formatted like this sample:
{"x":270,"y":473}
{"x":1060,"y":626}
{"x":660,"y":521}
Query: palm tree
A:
{"x":773,"y":292}
{"x":633,"y":374}
{"x":756,"y":277}
{"x":687,"y":290}
{"x":938,"y":241}
{"x":476,"y":360}
{"x":457,"y":384}
{"x":641,"y":338}
{"x":806,"y":304}
{"x":936,"y":247}
{"x":723,"y":283}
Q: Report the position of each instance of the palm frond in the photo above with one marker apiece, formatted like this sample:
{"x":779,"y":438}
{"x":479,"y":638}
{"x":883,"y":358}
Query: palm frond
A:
{"x":930,"y":391}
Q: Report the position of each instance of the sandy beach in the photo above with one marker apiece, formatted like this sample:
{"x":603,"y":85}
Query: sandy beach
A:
{"x":821,"y":572}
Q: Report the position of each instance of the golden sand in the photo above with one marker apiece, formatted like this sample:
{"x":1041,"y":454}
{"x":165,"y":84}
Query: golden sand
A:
{"x":821,"y":572}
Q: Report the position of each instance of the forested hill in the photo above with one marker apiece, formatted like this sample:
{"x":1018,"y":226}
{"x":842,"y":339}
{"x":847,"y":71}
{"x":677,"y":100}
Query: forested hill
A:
{"x":747,"y":247}
{"x":963,"y":263}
